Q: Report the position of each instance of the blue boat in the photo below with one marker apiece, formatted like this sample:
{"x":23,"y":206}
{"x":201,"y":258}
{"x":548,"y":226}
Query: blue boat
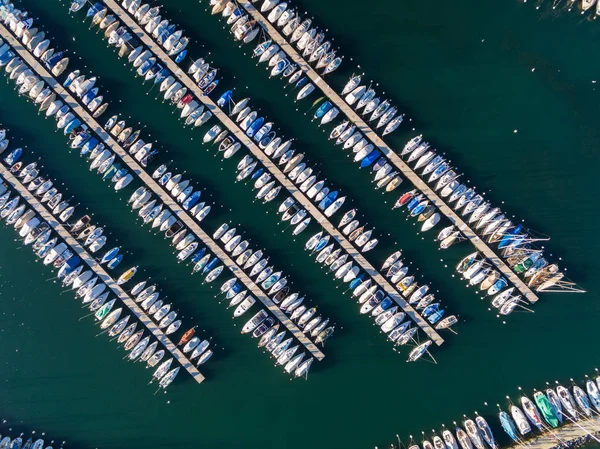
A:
{"x":224,"y":99}
{"x":509,"y":426}
{"x":161,"y":76}
{"x":192,"y":200}
{"x":370,"y":158}
{"x":386,"y":304}
{"x":257,"y":173}
{"x":54,"y":59}
{"x":499,"y":284}
{"x":323,"y":109}
{"x":69,"y":266}
{"x":89,"y":146}
{"x":356,"y":281}
{"x":115,"y":262}
{"x":255,"y":126}
{"x":436,"y":316}
{"x":181,"y":56}
{"x":430,"y":310}
{"x":164,"y":178}
{"x":109,"y":255}
{"x":89,"y":96}
{"x":328,"y":200}
{"x":413,"y":203}
{"x":301,"y":82}
{"x":321,"y":244}
{"x":198,"y":255}
{"x":96,"y":7}
{"x":13,"y":156}
{"x":420,"y":208}
{"x":72,"y":125}
{"x":237,"y":287}
{"x":509,"y":236}
{"x":210,"y":265}
{"x":7,"y":56}
{"x":440,"y":170}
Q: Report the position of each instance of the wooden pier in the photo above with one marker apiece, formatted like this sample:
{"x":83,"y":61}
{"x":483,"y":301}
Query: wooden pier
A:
{"x":300,"y":197}
{"x":162,"y":194}
{"x":388,"y":152}
{"x":102,"y":274}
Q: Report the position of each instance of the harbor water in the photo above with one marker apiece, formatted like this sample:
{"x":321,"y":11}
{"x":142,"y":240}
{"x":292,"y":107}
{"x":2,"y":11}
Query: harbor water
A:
{"x":508,"y":91}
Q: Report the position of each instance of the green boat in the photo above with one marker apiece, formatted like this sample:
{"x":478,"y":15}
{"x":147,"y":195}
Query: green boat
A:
{"x":546,"y":408}
{"x":103,"y":311}
{"x":111,"y":171}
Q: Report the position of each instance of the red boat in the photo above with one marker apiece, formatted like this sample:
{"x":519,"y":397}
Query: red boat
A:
{"x":187,"y":99}
{"x":187,"y":336}
{"x":406,"y":197}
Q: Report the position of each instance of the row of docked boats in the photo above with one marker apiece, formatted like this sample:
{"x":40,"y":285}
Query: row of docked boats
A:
{"x":474,"y":434}
{"x":297,"y":169}
{"x":283,"y":350}
{"x":420,"y":208}
{"x":551,"y":408}
{"x":266,"y":328}
{"x":493,"y":225}
{"x":84,"y":280}
{"x":164,"y":33}
{"x":364,"y":100}
{"x":8,"y":442}
{"x":273,"y":282}
{"x":479,"y":272}
{"x":40,"y":187}
{"x":55,"y":62}
{"x":527,"y":417}
{"x":161,"y":31}
{"x":309,"y":40}
{"x":418,"y":296}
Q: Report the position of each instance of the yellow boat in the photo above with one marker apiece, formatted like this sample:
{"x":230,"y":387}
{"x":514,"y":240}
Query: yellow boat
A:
{"x":127,"y":275}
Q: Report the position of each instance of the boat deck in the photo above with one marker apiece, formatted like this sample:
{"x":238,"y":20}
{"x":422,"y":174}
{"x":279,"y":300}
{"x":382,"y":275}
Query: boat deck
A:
{"x":162,"y":194}
{"x":102,"y":274}
{"x":300,"y":197}
{"x":336,"y":100}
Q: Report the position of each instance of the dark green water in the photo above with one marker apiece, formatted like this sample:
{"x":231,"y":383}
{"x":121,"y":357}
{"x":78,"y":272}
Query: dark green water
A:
{"x":463,"y":71}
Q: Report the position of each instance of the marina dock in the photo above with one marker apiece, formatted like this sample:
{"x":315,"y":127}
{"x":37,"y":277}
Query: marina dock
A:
{"x":293,"y":190}
{"x":392,"y":156}
{"x":101,"y":273}
{"x":158,"y":190}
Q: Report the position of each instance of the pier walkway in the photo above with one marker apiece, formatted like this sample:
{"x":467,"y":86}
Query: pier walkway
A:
{"x":300,"y":197}
{"x":101,"y":273}
{"x":162,"y":194}
{"x":361,"y":125}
